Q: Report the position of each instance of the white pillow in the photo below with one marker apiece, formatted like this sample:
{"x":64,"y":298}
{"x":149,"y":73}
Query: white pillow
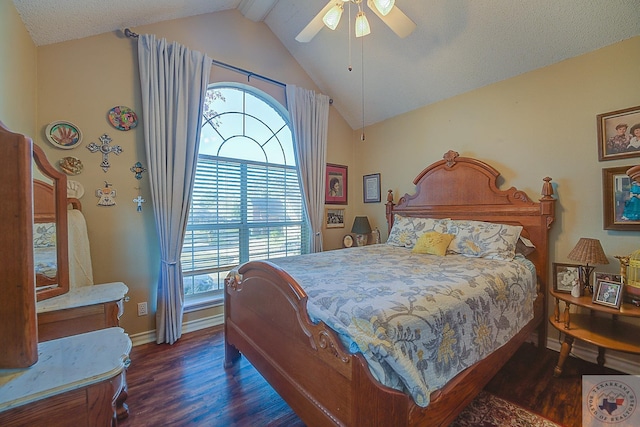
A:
{"x":481,"y":239}
{"x":525,"y":246}
{"x":407,"y":230}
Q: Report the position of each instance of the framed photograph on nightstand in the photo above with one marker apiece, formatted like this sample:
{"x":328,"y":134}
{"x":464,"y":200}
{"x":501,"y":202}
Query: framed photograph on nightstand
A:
{"x":608,"y":293}
{"x":564,"y":277}
{"x":605,"y":277}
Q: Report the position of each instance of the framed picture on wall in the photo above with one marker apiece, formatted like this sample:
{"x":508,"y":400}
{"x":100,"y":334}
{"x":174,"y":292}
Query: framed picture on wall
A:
{"x":336,"y":185}
{"x":621,"y":200}
{"x":371,"y":188}
{"x":334,"y":217}
{"x":619,"y":134}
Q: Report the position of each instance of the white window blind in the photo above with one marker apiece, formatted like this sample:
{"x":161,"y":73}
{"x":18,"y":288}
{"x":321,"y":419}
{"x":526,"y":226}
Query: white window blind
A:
{"x":241,"y":210}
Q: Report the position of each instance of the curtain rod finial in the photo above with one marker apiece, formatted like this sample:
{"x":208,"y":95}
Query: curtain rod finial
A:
{"x":129,"y":33}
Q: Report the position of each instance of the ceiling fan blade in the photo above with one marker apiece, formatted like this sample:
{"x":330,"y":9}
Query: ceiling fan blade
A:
{"x":309,"y":32}
{"x":395,"y":19}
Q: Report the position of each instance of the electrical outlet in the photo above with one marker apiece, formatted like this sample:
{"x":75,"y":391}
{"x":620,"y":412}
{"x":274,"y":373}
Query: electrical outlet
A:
{"x":142,"y":309}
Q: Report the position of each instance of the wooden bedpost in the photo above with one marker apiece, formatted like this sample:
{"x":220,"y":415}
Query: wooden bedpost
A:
{"x":389,"y":211}
{"x":547,"y":210}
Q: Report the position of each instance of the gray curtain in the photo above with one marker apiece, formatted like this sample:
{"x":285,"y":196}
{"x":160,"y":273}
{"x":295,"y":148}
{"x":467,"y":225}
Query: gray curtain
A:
{"x":174,"y":81}
{"x":309,"y":113}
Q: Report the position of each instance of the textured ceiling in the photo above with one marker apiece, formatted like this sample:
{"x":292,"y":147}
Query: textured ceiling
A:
{"x":458,"y":45}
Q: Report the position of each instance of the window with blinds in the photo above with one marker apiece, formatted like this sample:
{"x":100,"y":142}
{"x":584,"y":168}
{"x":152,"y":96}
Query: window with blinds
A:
{"x":246,"y":202}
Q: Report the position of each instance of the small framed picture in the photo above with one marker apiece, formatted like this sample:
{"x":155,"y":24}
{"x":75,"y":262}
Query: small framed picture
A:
{"x":334,"y":217}
{"x":336,"y":185}
{"x":565,"y":277}
{"x":371,"y":188}
{"x":619,"y":134}
{"x":608,"y":293}
{"x":605,"y":277}
{"x":620,"y":200}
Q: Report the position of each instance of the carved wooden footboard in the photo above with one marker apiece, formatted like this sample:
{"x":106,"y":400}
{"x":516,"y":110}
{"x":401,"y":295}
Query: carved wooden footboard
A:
{"x":267,"y":321}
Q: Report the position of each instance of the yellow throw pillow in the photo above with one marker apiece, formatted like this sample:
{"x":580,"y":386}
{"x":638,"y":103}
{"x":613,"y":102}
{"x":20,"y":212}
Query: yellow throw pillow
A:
{"x":433,"y":242}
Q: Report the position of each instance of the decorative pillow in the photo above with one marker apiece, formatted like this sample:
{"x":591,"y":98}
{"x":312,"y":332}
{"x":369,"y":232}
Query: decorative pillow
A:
{"x":44,"y":235}
{"x":406,"y":230}
{"x":484,"y":239}
{"x":433,"y":242}
{"x":525,"y":246}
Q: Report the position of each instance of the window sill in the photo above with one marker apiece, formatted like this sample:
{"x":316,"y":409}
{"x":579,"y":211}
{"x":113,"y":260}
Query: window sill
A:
{"x":192,"y":304}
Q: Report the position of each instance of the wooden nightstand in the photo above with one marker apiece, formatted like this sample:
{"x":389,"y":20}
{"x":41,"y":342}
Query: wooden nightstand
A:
{"x":599,"y":327}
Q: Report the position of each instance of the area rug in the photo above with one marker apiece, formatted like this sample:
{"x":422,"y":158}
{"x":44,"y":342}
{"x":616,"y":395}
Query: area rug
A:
{"x":487,"y":410}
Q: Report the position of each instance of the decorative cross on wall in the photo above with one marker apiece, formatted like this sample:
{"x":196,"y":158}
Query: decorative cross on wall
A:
{"x":137,"y":169}
{"x":105,"y":149}
{"x":139,"y":200}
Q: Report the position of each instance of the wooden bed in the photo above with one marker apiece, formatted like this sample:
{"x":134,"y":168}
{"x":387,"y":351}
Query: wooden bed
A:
{"x":266,"y":316}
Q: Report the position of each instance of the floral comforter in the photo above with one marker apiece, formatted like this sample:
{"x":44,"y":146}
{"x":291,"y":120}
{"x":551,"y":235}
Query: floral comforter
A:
{"x":418,"y":319}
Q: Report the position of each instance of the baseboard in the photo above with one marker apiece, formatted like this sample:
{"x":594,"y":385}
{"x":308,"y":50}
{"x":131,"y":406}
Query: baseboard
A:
{"x":193,"y":325}
{"x":589,"y":353}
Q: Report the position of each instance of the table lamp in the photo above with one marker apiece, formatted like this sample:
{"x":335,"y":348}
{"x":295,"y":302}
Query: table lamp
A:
{"x":587,"y":251}
{"x":362,"y":229}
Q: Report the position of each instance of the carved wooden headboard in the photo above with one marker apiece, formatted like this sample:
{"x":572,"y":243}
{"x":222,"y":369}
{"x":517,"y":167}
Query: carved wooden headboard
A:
{"x":465,"y":188}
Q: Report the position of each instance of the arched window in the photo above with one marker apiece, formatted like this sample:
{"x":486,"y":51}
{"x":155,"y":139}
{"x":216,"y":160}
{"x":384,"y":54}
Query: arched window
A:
{"x":246,"y":202}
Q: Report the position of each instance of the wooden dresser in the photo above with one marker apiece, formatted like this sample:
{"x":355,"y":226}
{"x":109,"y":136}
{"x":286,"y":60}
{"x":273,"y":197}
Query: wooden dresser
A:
{"x":83,"y":309}
{"x":75,"y":382}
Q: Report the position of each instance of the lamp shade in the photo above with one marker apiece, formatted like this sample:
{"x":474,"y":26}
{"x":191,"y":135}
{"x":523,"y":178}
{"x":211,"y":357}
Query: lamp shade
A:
{"x":362,"y":25}
{"x":332,"y":17}
{"x":384,"y":6}
{"x":588,"y":251}
{"x":361,"y":225}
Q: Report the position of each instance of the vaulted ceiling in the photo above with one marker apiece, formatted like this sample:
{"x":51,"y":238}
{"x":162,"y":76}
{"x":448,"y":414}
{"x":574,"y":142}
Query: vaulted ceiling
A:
{"x":457,"y":46}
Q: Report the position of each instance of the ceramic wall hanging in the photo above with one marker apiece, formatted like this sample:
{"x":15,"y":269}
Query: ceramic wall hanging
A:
{"x":139,"y":201}
{"x":106,"y":195}
{"x":123,"y":118}
{"x":63,"y":134}
{"x":70,"y":165}
{"x":137,"y":169}
{"x":105,"y":149}
{"x":74,"y":189}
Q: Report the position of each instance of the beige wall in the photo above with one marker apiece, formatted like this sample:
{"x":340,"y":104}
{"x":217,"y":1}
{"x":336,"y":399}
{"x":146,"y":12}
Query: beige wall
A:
{"x":542,"y":123}
{"x":17,"y":72}
{"x":84,"y":78}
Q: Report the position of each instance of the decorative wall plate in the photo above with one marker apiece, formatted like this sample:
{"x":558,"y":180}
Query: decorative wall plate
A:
{"x":123,"y":118}
{"x":74,"y":189}
{"x":70,"y":165}
{"x":63,"y":134}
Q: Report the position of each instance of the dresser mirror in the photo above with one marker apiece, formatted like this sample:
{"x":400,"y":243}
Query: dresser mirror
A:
{"x":50,"y":233}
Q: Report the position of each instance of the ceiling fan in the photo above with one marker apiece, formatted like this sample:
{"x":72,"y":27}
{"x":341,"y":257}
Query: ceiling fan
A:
{"x":331,"y":13}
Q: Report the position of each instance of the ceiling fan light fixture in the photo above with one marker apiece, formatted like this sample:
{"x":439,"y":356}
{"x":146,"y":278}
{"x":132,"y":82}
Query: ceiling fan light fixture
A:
{"x":362,"y":25}
{"x":384,"y":6}
{"x":332,"y":17}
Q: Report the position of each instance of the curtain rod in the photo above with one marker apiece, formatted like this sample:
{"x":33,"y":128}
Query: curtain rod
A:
{"x":249,"y":74}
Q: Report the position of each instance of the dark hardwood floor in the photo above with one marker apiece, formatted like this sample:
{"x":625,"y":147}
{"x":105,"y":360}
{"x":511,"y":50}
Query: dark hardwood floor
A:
{"x":186,"y":385}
